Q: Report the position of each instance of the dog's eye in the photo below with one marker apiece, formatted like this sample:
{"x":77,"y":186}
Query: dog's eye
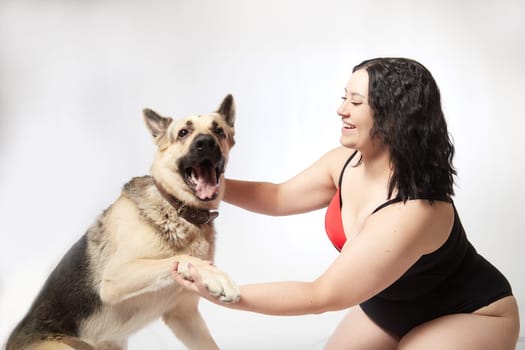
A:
{"x":182,"y":133}
{"x":220,"y":132}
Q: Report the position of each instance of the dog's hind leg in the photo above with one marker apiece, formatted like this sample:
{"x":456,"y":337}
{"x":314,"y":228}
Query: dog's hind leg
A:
{"x":187,"y":324}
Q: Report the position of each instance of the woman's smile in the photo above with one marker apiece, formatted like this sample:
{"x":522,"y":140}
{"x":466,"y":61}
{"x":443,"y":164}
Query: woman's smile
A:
{"x":347,"y":127}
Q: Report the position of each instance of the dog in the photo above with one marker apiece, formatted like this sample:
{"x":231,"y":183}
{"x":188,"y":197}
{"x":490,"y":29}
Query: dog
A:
{"x":117,"y":277}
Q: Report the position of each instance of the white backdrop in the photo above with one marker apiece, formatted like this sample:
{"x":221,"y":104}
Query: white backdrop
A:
{"x":75,"y":75}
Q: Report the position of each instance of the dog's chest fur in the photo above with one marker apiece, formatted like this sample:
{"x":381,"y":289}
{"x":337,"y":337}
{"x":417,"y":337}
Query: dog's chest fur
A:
{"x":143,"y":216}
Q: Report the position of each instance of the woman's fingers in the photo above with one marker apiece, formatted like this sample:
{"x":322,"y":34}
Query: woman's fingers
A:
{"x":189,"y":284}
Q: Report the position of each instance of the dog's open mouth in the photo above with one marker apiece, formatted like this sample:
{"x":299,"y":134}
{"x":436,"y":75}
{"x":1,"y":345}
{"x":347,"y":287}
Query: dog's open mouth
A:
{"x":204,"y":180}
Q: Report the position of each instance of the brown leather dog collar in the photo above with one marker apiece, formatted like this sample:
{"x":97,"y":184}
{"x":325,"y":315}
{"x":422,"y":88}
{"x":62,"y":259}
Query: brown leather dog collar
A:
{"x":194,"y":215}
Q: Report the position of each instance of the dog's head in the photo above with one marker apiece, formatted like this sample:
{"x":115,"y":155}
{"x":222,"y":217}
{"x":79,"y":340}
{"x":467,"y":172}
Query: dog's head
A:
{"x":192,"y":153}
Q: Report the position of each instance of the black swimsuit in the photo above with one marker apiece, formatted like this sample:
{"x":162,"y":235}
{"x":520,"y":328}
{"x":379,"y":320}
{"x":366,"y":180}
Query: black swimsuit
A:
{"x":453,"y":279}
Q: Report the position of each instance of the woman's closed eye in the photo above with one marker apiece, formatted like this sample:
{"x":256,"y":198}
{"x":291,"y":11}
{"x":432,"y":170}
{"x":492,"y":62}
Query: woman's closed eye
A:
{"x":355,"y":103}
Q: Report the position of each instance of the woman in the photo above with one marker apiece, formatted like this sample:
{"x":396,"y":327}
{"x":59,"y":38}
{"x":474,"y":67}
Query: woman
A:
{"x":404,"y":257}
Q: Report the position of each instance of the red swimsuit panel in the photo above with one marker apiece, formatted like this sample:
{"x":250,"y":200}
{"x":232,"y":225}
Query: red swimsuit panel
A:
{"x":333,"y":222}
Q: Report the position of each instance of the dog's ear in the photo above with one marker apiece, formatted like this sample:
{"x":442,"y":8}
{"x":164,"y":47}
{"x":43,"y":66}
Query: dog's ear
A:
{"x":156,"y":124}
{"x":227,"y":110}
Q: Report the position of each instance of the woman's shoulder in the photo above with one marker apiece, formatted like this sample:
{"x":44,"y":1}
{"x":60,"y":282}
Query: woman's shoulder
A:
{"x":428,"y":222}
{"x":334,"y":160}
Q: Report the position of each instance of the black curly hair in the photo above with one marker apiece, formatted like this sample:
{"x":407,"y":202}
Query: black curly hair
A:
{"x":406,"y":105}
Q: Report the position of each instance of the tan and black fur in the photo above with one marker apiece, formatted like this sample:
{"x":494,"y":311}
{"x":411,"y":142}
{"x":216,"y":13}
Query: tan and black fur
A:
{"x":117,"y":277}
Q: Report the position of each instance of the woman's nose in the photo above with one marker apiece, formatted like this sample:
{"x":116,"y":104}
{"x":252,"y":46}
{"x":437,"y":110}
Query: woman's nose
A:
{"x":343,"y":110}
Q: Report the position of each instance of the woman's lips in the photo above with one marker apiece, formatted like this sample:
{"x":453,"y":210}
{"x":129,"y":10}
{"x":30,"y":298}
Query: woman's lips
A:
{"x":348,"y":126}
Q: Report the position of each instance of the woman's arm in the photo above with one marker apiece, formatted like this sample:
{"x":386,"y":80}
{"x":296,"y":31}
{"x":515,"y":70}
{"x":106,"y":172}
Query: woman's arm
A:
{"x":309,"y":190}
{"x":275,"y":298}
{"x":392,"y":241}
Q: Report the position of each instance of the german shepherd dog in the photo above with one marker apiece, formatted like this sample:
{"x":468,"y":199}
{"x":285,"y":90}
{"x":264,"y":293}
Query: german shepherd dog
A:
{"x":117,"y":277}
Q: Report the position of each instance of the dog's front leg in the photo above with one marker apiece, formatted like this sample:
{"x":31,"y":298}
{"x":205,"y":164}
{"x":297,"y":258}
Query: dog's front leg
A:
{"x":187,"y":324}
{"x":122,"y":280}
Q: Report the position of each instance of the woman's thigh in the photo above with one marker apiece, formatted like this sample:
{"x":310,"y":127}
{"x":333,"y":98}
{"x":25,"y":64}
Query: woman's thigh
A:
{"x":467,"y":332}
{"x":357,"y":332}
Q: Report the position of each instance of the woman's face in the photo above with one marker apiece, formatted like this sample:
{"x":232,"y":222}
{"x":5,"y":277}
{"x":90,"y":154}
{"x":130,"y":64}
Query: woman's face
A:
{"x":356,"y":113}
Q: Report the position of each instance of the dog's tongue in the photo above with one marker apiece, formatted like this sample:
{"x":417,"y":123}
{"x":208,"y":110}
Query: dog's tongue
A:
{"x":206,"y":182}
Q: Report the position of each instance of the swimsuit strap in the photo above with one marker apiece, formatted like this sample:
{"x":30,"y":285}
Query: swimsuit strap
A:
{"x":341,"y":177}
{"x":388,"y":202}
{"x":398,"y":199}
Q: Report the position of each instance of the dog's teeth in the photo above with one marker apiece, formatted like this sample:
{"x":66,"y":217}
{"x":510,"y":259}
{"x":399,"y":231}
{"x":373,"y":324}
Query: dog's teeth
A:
{"x":194,"y":177}
{"x":217,"y":175}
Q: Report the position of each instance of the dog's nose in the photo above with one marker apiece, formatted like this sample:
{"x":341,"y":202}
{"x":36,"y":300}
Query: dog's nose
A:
{"x":205,"y":143}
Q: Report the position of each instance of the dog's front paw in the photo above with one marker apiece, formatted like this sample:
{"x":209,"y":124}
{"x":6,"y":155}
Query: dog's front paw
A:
{"x":218,"y":283}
